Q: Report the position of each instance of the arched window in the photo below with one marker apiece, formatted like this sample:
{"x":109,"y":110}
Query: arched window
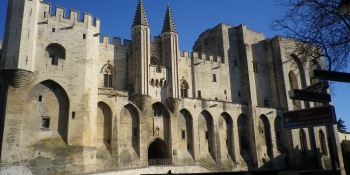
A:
{"x":184,"y":88}
{"x":55,"y":51}
{"x":322,"y":143}
{"x":294,"y":85}
{"x":155,"y":62}
{"x":108,"y":77}
{"x":302,"y":139}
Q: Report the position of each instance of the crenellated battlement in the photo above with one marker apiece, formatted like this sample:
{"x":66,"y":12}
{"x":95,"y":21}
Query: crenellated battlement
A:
{"x":72,"y":19}
{"x":200,"y":56}
{"x":115,"y":42}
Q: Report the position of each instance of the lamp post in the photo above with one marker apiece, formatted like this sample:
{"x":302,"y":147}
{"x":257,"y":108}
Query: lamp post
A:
{"x":344,"y":7}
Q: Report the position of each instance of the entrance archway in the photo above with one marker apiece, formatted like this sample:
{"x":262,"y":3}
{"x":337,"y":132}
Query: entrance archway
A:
{"x":157,"y":153}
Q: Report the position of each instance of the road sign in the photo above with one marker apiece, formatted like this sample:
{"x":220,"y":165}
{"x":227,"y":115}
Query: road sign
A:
{"x":317,"y":86}
{"x":309,"y":96}
{"x":318,"y":116}
{"x":330,"y":75}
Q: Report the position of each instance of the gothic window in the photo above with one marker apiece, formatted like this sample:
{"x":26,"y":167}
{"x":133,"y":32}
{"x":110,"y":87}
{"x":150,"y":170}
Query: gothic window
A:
{"x":154,"y":62}
{"x":55,"y":52}
{"x":108,"y":77}
{"x":293,"y":81}
{"x":302,"y":139}
{"x":184,"y":88}
{"x":322,"y":143}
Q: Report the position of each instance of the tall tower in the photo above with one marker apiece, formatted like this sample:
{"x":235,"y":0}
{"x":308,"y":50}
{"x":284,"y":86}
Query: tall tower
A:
{"x":140,"y":59}
{"x":170,"y":58}
{"x":18,"y":57}
{"x":140,"y":51}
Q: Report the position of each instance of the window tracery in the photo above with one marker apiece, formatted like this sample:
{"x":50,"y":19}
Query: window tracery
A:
{"x":108,"y":77}
{"x":184,"y":88}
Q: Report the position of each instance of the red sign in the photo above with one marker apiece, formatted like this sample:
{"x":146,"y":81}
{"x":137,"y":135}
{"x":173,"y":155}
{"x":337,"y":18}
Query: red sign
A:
{"x":318,"y":116}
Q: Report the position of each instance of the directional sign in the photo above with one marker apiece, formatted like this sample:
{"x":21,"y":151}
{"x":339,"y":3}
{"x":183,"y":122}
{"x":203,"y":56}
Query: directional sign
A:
{"x":317,"y":86}
{"x":318,"y":116}
{"x":309,"y":96}
{"x":330,"y":75}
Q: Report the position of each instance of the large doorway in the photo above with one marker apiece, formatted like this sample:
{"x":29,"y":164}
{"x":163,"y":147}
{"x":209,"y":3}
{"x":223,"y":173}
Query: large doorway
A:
{"x":158,"y":153}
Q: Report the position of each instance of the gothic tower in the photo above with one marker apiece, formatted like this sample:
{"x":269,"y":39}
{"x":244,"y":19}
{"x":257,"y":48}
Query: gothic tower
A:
{"x":18,"y":57}
{"x":170,"y":58}
{"x":139,"y":71}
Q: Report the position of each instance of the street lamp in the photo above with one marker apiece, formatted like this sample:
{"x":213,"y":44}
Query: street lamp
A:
{"x":344,"y":7}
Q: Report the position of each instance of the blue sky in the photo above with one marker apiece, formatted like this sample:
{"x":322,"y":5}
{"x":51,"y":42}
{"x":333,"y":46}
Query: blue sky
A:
{"x":192,"y":17}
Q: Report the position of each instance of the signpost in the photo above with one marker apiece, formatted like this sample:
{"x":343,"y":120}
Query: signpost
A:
{"x":330,"y":75}
{"x":317,"y":86}
{"x":309,"y":96}
{"x":318,"y":116}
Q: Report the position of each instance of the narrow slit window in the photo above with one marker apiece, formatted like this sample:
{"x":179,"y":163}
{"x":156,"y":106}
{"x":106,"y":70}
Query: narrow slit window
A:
{"x":214,"y":77}
{"x":183,"y":134}
{"x":40,"y":98}
{"x":206,"y":135}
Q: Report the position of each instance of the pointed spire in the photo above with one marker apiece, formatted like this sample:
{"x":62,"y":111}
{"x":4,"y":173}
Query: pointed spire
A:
{"x":169,"y":24}
{"x":140,"y":15}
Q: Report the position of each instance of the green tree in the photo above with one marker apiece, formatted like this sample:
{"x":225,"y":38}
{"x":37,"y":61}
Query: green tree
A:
{"x":341,"y":125}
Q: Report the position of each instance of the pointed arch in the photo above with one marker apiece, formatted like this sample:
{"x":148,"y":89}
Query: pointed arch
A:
{"x":225,"y":127}
{"x":185,"y":133}
{"x":51,"y":121}
{"x":104,"y":125}
{"x":161,"y":122}
{"x":243,"y":132}
{"x":157,"y":149}
{"x":302,"y":140}
{"x":323,"y":145}
{"x":184,"y":88}
{"x":206,"y":134}
{"x":155,"y":62}
{"x":129,"y":132}
{"x":293,"y":82}
{"x":108,"y":75}
{"x":265,"y":134}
